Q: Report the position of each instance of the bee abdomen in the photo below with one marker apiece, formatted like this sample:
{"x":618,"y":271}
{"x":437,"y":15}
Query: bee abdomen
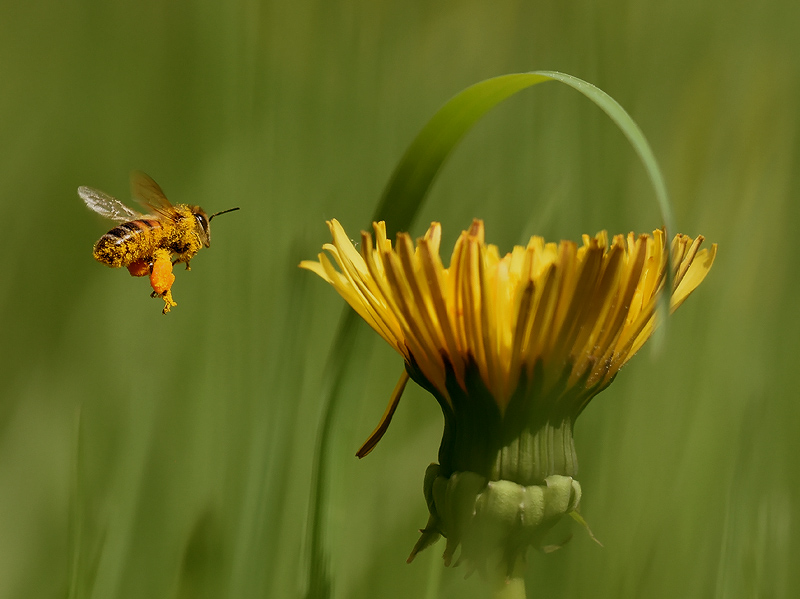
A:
{"x":129,"y":242}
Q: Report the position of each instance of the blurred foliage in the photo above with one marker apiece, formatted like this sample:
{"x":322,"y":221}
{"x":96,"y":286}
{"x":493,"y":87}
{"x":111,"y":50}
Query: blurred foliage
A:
{"x":144,"y":455}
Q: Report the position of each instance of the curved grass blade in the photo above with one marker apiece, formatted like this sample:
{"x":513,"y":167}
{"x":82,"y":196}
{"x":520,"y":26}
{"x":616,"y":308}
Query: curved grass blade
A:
{"x":400,"y":203}
{"x":416,"y":171}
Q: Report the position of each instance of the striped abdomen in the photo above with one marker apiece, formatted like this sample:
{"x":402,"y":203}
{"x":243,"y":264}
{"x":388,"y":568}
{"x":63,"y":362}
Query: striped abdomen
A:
{"x":130,"y":242}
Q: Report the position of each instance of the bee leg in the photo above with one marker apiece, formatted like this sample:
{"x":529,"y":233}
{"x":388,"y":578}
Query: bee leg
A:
{"x":161,"y":279}
{"x":168,"y":301}
{"x":179,"y":260}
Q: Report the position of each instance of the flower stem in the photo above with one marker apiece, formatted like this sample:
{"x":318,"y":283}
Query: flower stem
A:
{"x":509,"y":586}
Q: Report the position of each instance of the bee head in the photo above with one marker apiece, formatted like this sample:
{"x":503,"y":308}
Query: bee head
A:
{"x":201,"y":226}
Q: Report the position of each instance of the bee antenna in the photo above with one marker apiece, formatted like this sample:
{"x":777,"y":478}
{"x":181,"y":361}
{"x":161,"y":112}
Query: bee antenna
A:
{"x":223,"y":212}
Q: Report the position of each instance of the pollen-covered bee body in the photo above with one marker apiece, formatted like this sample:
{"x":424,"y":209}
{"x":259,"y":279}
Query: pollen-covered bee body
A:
{"x":133,"y":241}
{"x":183,"y":233}
{"x":145,"y":242}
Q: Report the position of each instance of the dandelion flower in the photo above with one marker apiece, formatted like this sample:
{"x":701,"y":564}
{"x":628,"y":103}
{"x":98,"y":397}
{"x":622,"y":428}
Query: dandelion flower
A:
{"x":513,"y":348}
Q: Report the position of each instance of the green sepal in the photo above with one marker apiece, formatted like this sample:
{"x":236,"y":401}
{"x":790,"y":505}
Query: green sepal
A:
{"x":492,"y":521}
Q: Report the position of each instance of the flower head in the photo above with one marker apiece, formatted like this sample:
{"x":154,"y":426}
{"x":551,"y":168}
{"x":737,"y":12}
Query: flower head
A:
{"x":580,"y":311}
{"x":513,"y":347}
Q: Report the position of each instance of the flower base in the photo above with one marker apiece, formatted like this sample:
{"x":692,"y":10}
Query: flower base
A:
{"x":494,"y":521}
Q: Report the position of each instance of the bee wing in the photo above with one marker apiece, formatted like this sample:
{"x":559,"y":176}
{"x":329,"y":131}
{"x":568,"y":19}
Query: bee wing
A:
{"x":105,"y":205}
{"x":148,"y":193}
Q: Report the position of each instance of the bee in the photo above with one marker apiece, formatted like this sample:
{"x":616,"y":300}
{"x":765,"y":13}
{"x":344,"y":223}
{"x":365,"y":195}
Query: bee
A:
{"x":145,"y":242}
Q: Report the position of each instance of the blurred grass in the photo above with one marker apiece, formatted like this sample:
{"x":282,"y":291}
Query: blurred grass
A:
{"x":189,"y":473}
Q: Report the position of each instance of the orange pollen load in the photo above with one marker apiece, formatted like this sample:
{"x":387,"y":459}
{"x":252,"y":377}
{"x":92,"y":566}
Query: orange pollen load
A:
{"x":139,"y":269}
{"x":161,"y":279}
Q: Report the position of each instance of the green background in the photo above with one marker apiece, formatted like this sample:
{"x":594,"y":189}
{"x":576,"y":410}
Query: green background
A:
{"x":144,"y":455}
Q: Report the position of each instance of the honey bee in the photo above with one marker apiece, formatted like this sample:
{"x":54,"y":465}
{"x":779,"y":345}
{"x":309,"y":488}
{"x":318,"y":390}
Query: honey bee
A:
{"x":145,"y":242}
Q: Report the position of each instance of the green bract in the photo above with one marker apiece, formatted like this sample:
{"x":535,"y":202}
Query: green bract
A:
{"x":492,"y":519}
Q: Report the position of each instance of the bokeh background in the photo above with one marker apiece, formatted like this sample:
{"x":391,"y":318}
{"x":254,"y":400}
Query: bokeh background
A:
{"x":144,"y":455}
